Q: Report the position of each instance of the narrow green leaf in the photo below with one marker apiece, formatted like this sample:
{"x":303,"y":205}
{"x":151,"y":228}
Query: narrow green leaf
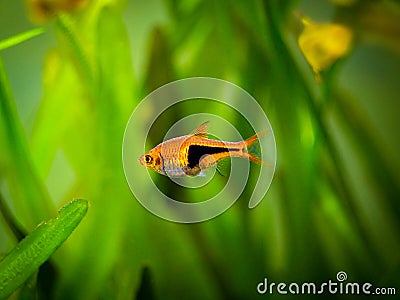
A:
{"x":36,"y":248}
{"x":10,"y":220}
{"x":30,"y":196}
{"x":21,"y":37}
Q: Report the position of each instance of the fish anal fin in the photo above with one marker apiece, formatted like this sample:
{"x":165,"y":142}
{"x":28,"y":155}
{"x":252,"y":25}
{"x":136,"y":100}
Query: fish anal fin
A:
{"x":202,"y":130}
{"x":191,"y":171}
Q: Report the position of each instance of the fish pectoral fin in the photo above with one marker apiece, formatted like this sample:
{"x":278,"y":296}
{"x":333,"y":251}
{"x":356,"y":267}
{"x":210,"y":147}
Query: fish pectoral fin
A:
{"x":202,"y":174}
{"x":202,"y":130}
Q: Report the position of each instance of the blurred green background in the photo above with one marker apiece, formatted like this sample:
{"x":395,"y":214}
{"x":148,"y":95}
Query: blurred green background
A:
{"x":332,"y":206}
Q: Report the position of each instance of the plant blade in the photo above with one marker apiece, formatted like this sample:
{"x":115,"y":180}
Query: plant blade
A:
{"x":37,"y":247}
{"x":21,"y":37}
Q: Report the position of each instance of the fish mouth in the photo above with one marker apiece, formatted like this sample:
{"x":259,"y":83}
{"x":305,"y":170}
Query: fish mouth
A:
{"x":140,"y":160}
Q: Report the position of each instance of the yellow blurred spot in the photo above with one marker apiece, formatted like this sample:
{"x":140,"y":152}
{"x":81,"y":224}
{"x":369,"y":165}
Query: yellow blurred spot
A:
{"x":322,"y":44}
{"x":40,"y":11}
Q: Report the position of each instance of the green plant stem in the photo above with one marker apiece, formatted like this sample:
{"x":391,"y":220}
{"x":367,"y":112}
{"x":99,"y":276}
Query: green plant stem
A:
{"x":66,"y":27}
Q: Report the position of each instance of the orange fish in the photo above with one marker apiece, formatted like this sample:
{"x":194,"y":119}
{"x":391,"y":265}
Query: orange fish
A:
{"x":191,"y":154}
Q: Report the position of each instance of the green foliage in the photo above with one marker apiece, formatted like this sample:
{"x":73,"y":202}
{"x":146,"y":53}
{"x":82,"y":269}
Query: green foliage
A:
{"x":332,"y":206}
{"x":16,"y":162}
{"x":37,"y":247}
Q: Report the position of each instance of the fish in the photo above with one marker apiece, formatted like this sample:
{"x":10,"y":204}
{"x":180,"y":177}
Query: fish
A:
{"x":191,"y":154}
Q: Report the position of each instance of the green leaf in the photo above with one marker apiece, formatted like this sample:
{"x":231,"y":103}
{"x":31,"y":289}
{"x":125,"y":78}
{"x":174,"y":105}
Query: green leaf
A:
{"x":19,"y":38}
{"x":29,"y":193}
{"x":37,"y":247}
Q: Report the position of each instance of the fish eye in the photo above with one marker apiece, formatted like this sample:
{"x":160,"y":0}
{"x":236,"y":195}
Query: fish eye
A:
{"x":148,"y":159}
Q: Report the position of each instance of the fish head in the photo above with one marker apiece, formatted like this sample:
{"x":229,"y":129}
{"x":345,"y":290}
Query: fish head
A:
{"x":152,"y":160}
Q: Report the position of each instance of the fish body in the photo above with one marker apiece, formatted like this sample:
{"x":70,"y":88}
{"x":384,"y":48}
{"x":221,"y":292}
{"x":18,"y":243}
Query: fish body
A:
{"x":190,"y":154}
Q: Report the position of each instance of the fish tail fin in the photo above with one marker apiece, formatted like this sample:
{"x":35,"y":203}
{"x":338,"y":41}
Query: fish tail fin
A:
{"x":253,"y":149}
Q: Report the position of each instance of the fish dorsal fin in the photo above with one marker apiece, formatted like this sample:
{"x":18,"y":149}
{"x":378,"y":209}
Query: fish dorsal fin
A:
{"x":202,"y":130}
